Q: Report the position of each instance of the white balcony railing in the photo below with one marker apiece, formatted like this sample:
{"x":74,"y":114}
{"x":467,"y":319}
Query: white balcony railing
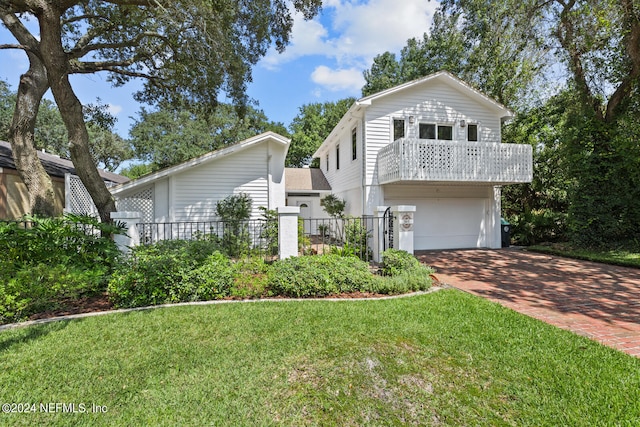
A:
{"x":451,"y":161}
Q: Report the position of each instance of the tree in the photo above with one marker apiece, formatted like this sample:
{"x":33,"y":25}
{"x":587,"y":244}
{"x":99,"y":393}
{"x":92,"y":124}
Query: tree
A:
{"x":187,"y":51}
{"x":169,"y":136}
{"x":50,"y":135}
{"x":311,"y":126}
{"x":485,"y":54}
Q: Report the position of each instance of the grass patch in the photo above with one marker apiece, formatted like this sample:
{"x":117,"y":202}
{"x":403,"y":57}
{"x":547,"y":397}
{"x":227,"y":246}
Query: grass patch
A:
{"x":622,"y":257}
{"x":446,"y":358}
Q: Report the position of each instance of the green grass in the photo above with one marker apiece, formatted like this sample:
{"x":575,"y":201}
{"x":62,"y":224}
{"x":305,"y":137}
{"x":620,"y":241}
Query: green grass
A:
{"x":623,"y":257}
{"x":445,"y":358}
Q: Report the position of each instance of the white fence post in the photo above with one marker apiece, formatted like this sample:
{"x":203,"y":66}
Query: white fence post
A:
{"x":403,"y":227}
{"x":132,"y":238}
{"x":288,"y":231}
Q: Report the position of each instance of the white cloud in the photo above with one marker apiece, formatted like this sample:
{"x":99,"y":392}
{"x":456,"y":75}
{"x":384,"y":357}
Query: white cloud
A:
{"x":338,"y":80}
{"x":114,"y":110}
{"x":350,"y":34}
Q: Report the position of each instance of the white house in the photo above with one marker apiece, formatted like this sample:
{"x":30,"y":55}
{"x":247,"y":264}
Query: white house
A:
{"x":434,"y":143}
{"x":189,"y":192}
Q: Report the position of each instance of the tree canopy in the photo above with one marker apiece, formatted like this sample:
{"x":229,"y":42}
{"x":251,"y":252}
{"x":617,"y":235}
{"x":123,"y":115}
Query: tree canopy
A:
{"x":168,"y":136}
{"x":311,"y":126}
{"x":187,"y":52}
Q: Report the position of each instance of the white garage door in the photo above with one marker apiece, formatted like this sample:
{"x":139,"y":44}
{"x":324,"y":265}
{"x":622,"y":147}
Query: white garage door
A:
{"x":448,"y":223}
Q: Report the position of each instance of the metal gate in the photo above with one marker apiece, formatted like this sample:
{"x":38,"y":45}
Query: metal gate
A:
{"x":387,"y":222}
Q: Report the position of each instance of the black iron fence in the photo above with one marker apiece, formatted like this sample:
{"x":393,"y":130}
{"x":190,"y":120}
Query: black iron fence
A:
{"x":234,"y":237}
{"x":346,"y":236}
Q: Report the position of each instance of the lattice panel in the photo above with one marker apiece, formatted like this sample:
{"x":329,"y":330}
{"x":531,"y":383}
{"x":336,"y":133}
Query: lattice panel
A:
{"x":77,"y":198}
{"x":142,"y":202}
{"x":427,"y":160}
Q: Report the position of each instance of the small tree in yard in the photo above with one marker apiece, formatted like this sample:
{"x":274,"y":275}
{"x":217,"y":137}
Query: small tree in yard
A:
{"x":334,"y":206}
{"x":234,"y":211}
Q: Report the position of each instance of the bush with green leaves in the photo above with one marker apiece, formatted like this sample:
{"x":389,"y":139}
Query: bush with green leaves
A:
{"x":211,"y":280}
{"x":150,"y":273}
{"x":234,"y":211}
{"x":396,"y":262}
{"x":319,"y":275}
{"x":250,"y":279}
{"x":43,"y":287}
{"x":47,"y":262}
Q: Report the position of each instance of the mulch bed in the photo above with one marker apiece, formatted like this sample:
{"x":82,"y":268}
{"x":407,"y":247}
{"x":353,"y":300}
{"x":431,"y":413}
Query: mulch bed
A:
{"x":83,"y":305}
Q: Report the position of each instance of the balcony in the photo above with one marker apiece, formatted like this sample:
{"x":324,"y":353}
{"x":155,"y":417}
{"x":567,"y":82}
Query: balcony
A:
{"x":451,"y":161}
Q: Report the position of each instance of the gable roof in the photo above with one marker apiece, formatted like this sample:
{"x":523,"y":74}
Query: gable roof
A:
{"x":305,"y":179}
{"x":206,"y":158}
{"x":447,"y":78}
{"x":444,"y":76}
{"x":54,"y":165}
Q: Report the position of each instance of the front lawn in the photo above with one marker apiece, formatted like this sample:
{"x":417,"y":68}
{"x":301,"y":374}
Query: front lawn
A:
{"x":623,"y":257}
{"x":445,"y":358}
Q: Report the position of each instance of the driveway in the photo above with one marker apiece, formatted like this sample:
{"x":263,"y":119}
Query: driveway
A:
{"x":599,"y":301}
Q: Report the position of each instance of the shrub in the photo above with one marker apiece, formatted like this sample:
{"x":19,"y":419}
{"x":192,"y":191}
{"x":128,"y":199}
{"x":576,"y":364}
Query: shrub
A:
{"x":73,"y":240}
{"x":234,"y":211}
{"x":413,"y":280}
{"x":44,"y":287}
{"x":357,"y":236}
{"x":212,"y":280}
{"x":318,"y":276}
{"x":396,"y":262}
{"x":150,"y":273}
{"x":250,"y":279}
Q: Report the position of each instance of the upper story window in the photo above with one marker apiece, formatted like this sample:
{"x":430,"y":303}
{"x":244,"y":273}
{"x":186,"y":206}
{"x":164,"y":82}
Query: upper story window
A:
{"x":327,"y":162}
{"x":337,"y":156}
{"x":398,"y":129}
{"x":354,"y":144}
{"x":433,"y":131}
{"x":472,"y":132}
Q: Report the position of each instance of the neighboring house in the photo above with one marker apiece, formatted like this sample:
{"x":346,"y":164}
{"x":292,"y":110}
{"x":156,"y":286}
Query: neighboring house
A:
{"x":189,"y":192}
{"x":14,"y":197}
{"x":434,"y":143}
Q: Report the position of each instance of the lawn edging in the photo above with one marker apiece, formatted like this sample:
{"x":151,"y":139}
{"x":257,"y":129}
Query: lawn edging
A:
{"x":211,"y":302}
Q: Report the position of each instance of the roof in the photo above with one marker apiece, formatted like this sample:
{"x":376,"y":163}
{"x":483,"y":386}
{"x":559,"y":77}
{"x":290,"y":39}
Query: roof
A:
{"x":305,"y":179}
{"x":356,"y":109}
{"x":54,"y":165}
{"x":206,"y":158}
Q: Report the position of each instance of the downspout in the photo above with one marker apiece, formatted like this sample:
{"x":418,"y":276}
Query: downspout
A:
{"x":269,"y":176}
{"x":363,"y":169}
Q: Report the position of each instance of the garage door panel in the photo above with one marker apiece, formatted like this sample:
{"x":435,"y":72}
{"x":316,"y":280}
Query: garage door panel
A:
{"x":447,"y":223}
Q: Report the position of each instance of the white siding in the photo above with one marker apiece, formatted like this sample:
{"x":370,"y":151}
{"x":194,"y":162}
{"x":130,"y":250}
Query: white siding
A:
{"x":432,"y":102}
{"x":195,"y":192}
{"x":349,"y":176}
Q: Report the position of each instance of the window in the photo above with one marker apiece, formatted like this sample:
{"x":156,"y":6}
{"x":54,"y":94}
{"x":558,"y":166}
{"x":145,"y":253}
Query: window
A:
{"x":445,"y":132}
{"x":427,"y":131}
{"x":398,"y":129}
{"x":432,"y":131}
{"x":327,"y":162}
{"x":337,"y":156}
{"x":354,"y":144}
{"x":472,"y":132}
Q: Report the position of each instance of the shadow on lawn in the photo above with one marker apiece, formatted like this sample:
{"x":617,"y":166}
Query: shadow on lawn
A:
{"x":26,"y":335}
{"x":543,"y":281}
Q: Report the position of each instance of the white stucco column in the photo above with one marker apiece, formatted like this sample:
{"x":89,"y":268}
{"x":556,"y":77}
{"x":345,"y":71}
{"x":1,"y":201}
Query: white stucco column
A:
{"x":379,"y":237}
{"x":403,"y":227}
{"x":132,"y":238}
{"x":288,"y":231}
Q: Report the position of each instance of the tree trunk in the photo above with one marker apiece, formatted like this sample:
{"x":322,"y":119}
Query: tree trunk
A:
{"x":71,"y":111}
{"x":33,"y":85}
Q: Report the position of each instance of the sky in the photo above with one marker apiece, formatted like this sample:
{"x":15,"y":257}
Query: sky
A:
{"x":324,"y":61}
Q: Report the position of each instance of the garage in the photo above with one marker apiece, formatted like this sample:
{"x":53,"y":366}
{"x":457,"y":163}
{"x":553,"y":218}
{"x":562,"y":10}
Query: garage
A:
{"x":448,"y":223}
{"x":448,"y":216}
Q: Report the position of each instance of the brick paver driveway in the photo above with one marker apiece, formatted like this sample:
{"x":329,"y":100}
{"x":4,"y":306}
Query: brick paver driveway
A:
{"x":596,"y":300}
